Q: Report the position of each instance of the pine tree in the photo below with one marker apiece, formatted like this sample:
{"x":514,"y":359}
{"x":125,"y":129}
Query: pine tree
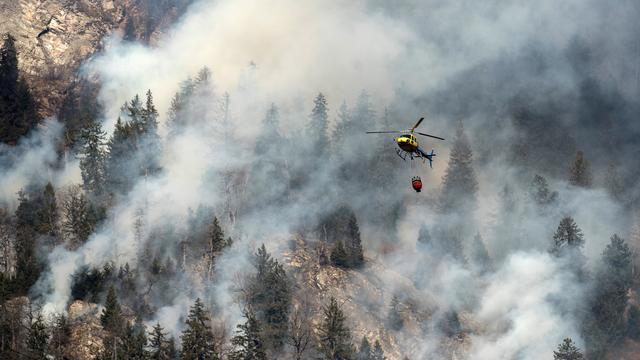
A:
{"x":197,"y":338}
{"x":317,"y":128}
{"x":567,"y":351}
{"x":540,"y":192}
{"x":17,"y":108}
{"x":270,"y":298}
{"x":354,"y":244}
{"x":365,"y":351}
{"x":47,"y":216}
{"x":334,"y":335}
{"x":120,"y":165}
{"x":568,"y":237}
{"x":394,"y":318}
{"x":28,"y":267}
{"x":158,"y":344}
{"x":111,"y":317}
{"x":605,"y":325}
{"x":341,"y":130}
{"x":339,"y":256}
{"x":60,"y":336}
{"x":248,"y":343}
{"x":134,"y":342}
{"x":92,"y":159}
{"x":613,"y":183}
{"x":459,"y":184}
{"x":150,"y":144}
{"x":377,"y":353}
{"x":479,"y":254}
{"x":580,"y":173}
{"x":38,"y":338}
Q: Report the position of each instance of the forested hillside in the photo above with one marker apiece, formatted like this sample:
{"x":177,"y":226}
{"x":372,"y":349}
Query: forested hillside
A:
{"x":214,"y":195}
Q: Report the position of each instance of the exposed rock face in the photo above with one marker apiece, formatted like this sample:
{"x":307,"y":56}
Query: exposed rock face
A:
{"x":54,"y":37}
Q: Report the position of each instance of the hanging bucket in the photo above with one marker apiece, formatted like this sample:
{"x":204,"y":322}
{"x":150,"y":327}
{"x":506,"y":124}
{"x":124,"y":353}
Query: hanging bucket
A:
{"x":416,"y":183}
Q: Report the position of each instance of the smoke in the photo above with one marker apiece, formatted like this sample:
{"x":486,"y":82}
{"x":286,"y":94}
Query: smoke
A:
{"x":22,"y":166}
{"x":483,"y":62}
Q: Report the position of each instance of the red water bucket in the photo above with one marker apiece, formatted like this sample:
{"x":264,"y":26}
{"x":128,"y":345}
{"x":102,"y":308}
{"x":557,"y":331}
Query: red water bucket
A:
{"x":416,"y":183}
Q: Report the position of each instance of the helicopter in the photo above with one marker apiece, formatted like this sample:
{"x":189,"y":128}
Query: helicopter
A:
{"x":408,"y":143}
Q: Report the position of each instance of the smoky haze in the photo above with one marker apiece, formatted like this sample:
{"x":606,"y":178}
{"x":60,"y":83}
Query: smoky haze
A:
{"x":532,"y":82}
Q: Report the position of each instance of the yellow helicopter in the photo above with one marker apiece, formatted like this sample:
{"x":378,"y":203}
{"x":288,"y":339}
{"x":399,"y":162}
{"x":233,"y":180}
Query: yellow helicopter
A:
{"x":408,"y":143}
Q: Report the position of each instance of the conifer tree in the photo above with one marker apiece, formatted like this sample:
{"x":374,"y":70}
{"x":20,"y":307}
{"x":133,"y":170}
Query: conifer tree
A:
{"x":339,"y":256}
{"x":334,"y":335}
{"x":540,"y":192}
{"x":270,"y":298}
{"x":38,"y":338}
{"x":17,"y":108}
{"x":568,"y":237}
{"x":120,"y":166}
{"x":248,"y":343}
{"x":47,"y":215}
{"x":92,"y":159}
{"x":567,"y":351}
{"x":459,"y":184}
{"x":613,"y":183}
{"x":605,"y":325}
{"x":364,"y":351}
{"x":354,"y":244}
{"x":479,"y":254}
{"x":134,"y":342}
{"x":340,"y":132}
{"x":60,"y":336}
{"x":150,"y":144}
{"x":158,"y":344}
{"x":396,"y":322}
{"x":580,"y":172}
{"x":377,"y":353}
{"x":111,"y":317}
{"x":317,"y":128}
{"x":197,"y":338}
{"x":28,"y":267}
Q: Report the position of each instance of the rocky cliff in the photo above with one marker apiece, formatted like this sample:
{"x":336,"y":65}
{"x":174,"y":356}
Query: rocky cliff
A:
{"x":54,"y":37}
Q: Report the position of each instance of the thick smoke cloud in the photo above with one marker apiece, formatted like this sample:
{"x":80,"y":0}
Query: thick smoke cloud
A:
{"x":481,"y":62}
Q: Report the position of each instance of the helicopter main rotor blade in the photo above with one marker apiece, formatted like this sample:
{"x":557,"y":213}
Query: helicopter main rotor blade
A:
{"x":431,"y":136}
{"x":417,"y":124}
{"x":383,"y":132}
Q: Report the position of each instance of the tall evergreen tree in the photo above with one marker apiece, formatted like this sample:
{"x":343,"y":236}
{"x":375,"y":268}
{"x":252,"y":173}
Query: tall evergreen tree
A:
{"x":17,"y":108}
{"x":364,"y":351}
{"x":158,"y":344}
{"x":38,"y":338}
{"x":92,"y":159}
{"x":60,"y":336}
{"x":606,"y":326}
{"x":248,"y":343}
{"x":567,"y":237}
{"x":134,"y":342}
{"x":150,"y":143}
{"x":197,"y":338}
{"x":339,"y":256}
{"x":580,"y":172}
{"x":47,"y":216}
{"x":540,"y":192}
{"x":567,"y":351}
{"x":377,"y":353}
{"x":613,"y":183}
{"x":111,"y":317}
{"x":120,"y":166}
{"x":479,"y":254}
{"x":317,"y":127}
{"x":28,"y":267}
{"x":334,"y":335}
{"x":394,"y":318}
{"x":459,"y":184}
{"x":270,"y":298}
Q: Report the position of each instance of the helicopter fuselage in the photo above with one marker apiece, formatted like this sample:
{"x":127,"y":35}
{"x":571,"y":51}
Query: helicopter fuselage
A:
{"x":408,"y":143}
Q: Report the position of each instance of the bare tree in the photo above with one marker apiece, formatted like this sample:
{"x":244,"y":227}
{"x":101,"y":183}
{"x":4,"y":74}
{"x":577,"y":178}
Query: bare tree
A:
{"x":300,"y":337}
